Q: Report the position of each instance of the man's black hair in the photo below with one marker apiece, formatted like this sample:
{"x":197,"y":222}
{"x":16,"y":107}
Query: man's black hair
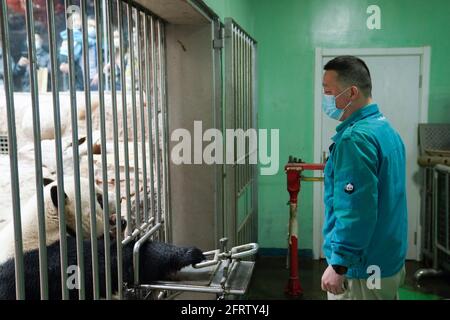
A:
{"x":352,"y":71}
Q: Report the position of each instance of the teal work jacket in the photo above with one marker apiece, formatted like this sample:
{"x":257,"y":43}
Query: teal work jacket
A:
{"x":365,"y":196}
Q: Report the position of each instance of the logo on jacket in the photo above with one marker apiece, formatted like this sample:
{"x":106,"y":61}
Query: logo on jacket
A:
{"x":349,"y":188}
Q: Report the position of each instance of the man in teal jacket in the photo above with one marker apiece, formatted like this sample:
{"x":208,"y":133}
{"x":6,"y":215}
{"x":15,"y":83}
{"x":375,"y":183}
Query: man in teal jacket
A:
{"x":365,"y":228}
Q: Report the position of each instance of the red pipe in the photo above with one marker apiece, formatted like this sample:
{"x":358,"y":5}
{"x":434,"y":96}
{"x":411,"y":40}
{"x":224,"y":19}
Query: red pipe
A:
{"x":293,"y":287}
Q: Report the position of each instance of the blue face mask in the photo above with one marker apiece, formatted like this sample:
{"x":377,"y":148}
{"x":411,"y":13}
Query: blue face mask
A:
{"x":329,"y":106}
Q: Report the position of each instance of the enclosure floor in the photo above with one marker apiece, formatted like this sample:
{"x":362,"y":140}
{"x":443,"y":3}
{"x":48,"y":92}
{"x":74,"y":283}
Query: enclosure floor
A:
{"x":270,"y":278}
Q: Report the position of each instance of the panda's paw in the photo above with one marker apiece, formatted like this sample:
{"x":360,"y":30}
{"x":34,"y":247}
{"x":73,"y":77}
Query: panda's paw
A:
{"x":192,"y":256}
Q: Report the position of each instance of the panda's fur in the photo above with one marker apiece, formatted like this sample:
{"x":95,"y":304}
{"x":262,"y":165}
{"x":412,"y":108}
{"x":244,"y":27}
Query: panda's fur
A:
{"x":157,"y":261}
{"x":29,"y":217}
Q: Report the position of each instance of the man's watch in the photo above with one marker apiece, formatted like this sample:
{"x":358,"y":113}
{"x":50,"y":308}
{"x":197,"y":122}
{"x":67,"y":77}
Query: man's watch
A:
{"x":341,"y":270}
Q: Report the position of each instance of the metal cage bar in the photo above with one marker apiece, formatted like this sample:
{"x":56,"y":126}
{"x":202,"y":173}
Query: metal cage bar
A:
{"x":157,"y":83}
{"x":37,"y":149}
{"x":76,"y":161}
{"x":150,"y":89}
{"x":10,"y":113}
{"x":146,"y":45}
{"x":124,"y":111}
{"x":165,"y":130}
{"x":99,"y":26}
{"x":112,"y":58}
{"x":134,"y":115}
{"x":89,"y":129}
{"x":240,"y":115}
{"x":142,"y":115}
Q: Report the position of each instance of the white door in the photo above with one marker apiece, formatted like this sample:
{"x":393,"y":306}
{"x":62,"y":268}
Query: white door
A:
{"x":397,"y":90}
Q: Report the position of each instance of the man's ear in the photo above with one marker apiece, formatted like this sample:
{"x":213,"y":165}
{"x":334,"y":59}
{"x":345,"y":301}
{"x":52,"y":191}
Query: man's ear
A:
{"x":54,"y":195}
{"x":354,"y":91}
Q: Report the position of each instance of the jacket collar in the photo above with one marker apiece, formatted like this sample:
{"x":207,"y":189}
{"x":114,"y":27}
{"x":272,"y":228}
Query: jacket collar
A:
{"x":356,"y":116}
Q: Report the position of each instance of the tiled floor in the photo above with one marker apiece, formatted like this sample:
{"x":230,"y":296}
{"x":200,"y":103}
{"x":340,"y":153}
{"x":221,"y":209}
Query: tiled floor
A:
{"x":270,"y":278}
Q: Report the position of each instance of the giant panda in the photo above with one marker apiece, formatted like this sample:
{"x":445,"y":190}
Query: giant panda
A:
{"x":29,"y":217}
{"x":157,"y":260}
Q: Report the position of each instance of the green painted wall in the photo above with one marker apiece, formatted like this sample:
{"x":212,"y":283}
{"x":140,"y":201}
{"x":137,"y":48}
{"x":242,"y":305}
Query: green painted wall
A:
{"x":242,"y":11}
{"x":288,"y":31}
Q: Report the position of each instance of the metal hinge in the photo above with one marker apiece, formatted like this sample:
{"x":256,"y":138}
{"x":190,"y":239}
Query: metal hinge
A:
{"x":420,"y":81}
{"x":415,"y":238}
{"x":218,"y":43}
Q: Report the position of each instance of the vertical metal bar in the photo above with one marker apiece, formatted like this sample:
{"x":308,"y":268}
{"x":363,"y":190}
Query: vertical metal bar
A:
{"x":247,"y":108}
{"x":37,"y":149}
{"x":155,"y":113}
{"x":112,"y":56}
{"x":89,"y":129}
{"x":156,"y":99}
{"x":142,"y":115}
{"x":435,"y":218}
{"x":150,"y":64}
{"x":234,"y":195}
{"x":241,"y":102}
{"x":238,"y":108}
{"x":242,"y":55}
{"x":125,"y":114}
{"x":99,"y":24}
{"x":218,"y":116}
{"x":92,"y":195}
{"x":58,"y":135}
{"x":165,"y":123}
{"x":105,"y":45}
{"x":76,"y":159}
{"x":120,"y":5}
{"x":250,"y":109}
{"x":15,"y":192}
{"x":135,"y":123}
{"x":249,"y":103}
{"x":244,"y":40}
{"x":239,"y":123}
{"x":244,"y":107}
{"x":447,"y":211}
{"x":229,"y":124}
{"x":254,"y":106}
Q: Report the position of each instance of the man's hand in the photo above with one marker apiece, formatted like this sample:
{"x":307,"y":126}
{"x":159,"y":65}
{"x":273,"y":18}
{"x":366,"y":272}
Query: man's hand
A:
{"x":64,"y":67}
{"x":94,"y":80}
{"x":23,"y":62}
{"x":332,"y":282}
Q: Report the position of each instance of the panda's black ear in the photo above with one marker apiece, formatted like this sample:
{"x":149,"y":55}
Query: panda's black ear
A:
{"x":81,"y":141}
{"x":47,"y":181}
{"x":54,"y":195}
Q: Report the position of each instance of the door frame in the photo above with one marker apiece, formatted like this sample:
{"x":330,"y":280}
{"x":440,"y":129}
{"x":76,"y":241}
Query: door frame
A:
{"x":425,"y":57}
